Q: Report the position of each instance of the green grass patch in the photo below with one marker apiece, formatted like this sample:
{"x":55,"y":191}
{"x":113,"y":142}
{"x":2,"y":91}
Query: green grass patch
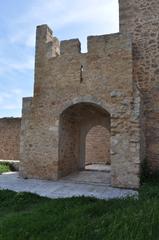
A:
{"x":4,"y":168}
{"x":24,"y":216}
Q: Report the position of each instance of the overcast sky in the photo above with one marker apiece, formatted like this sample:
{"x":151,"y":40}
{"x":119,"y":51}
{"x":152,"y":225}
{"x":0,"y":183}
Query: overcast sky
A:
{"x":18,"y":20}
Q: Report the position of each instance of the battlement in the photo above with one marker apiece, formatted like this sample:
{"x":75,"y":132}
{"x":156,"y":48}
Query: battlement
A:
{"x":72,"y":46}
{"x":50,"y":47}
{"x":104,"y":44}
{"x":47,"y":45}
{"x":44,"y":32}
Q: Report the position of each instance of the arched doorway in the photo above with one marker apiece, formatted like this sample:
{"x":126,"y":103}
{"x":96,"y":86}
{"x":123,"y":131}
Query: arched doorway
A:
{"x":98,"y":146}
{"x":75,"y":124}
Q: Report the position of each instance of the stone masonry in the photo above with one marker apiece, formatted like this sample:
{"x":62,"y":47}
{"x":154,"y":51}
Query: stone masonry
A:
{"x":10,"y":138}
{"x":114,"y":86}
{"x":98,"y":146}
{"x":73,"y":93}
{"x":141,"y":20}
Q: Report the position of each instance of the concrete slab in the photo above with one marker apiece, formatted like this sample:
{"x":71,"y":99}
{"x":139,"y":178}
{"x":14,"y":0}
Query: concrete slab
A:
{"x":62,"y":188}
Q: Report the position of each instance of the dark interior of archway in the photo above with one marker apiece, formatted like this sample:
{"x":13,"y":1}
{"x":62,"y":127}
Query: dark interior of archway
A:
{"x":76,"y":124}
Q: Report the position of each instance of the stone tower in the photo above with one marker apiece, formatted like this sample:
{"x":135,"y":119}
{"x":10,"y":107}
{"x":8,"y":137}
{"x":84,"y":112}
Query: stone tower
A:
{"x":115,"y":85}
{"x":140,"y":18}
{"x":73,"y":92}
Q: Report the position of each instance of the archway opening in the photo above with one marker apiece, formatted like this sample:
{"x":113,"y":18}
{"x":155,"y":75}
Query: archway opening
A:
{"x":77,"y":123}
{"x":97,"y":155}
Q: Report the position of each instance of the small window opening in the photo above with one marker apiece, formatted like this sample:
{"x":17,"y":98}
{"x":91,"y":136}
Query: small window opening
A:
{"x":81,"y":73}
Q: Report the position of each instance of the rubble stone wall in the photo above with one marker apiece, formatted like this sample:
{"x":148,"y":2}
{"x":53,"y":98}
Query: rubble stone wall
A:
{"x":10,"y":138}
{"x":141,"y":20}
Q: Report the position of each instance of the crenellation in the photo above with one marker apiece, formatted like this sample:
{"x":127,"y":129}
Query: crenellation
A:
{"x":26,"y":104}
{"x":47,"y":46}
{"x":44,"y":33}
{"x":70,"y":47}
{"x":105,"y":44}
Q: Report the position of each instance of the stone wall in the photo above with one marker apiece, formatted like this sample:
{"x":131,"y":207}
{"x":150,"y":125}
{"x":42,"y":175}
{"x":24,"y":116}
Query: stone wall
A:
{"x":98,"y":146}
{"x":10,"y":138}
{"x":64,"y":78}
{"x":141,"y":20}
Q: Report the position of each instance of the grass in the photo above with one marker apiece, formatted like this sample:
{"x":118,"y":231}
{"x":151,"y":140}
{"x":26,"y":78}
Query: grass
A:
{"x":4,"y":167}
{"x":24,"y":216}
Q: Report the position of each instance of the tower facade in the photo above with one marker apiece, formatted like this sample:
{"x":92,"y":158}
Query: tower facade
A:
{"x":73,"y":93}
{"x":140,"y":19}
{"x":114,"y":85}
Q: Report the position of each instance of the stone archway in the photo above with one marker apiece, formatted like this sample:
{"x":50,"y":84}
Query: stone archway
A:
{"x":98,"y":146}
{"x":75,"y":123}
